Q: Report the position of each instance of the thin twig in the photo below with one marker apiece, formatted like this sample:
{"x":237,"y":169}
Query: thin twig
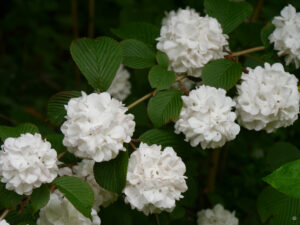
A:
{"x":149,"y":95}
{"x":4,"y":214}
{"x":132,"y":145}
{"x":257,"y":10}
{"x":62,"y":154}
{"x":211,"y":180}
{"x":91,"y":18}
{"x":157,"y":219}
{"x":183,"y":89}
{"x":256,"y":49}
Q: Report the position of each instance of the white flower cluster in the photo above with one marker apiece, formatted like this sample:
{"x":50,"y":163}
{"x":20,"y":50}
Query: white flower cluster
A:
{"x":155,"y":179}
{"x":287,"y":34}
{"x":3,"y":222}
{"x":206,"y":118}
{"x":191,"y":41}
{"x":217,"y":216}
{"x":84,"y":170}
{"x":97,"y":126}
{"x":59,"y":211}
{"x":27,"y":162}
{"x":268,"y":98}
{"x":120,"y":88}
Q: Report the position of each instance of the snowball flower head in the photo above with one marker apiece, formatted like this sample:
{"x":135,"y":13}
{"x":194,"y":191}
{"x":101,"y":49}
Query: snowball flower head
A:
{"x":287,"y":34}
{"x":191,"y":41}
{"x":27,"y":162}
{"x":59,"y":211}
{"x":155,"y":179}
{"x":120,"y":88}
{"x":3,"y":222}
{"x":84,"y":170}
{"x":97,"y":126}
{"x":206,"y":118}
{"x":268,"y":98}
{"x":217,"y":216}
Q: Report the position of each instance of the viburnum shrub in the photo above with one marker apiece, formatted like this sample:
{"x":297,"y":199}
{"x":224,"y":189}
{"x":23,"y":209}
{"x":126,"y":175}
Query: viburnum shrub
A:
{"x":165,"y":157}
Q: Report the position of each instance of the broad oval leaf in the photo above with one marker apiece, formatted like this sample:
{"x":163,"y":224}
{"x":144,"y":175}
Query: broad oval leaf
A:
{"x":8,"y":198}
{"x":221,"y":73}
{"x":165,"y":106}
{"x":40,"y":197}
{"x":166,"y":138}
{"x":141,"y":31}
{"x":162,"y":59}
{"x":265,"y":33}
{"x":160,"y":78}
{"x":111,"y":175}
{"x":56,"y":105}
{"x":98,"y":60}
{"x":275,"y":208}
{"x":6,"y":131}
{"x":137,"y":55}
{"x":78,"y":192}
{"x":286,"y":179}
{"x":229,"y":14}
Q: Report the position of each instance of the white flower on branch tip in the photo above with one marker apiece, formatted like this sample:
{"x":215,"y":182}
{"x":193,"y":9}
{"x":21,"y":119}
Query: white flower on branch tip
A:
{"x":268,"y":98}
{"x":191,"y":41}
{"x":3,"y":222}
{"x":120,"y":88}
{"x":155,"y":179}
{"x":59,"y":211}
{"x":97,"y":126}
{"x":287,"y":34}
{"x":206,"y":118}
{"x":27,"y":162}
{"x":217,"y":216}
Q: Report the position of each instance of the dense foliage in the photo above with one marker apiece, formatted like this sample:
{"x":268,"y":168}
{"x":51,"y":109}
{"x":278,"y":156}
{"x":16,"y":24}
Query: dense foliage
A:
{"x":54,"y":51}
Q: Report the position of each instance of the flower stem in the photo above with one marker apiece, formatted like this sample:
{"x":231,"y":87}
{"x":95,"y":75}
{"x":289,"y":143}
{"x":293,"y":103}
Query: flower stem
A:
{"x":250,"y":50}
{"x":149,"y":95}
{"x":211,"y":180}
{"x":4,"y":214}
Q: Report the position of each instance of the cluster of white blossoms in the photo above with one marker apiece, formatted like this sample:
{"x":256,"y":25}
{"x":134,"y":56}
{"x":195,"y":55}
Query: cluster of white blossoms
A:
{"x":120,"y":88}
{"x":27,"y":162}
{"x":97,"y":126}
{"x":206,"y":118}
{"x":191,"y":41}
{"x":287,"y":34}
{"x":217,"y":216}
{"x":84,"y":170}
{"x":268,"y":98}
{"x":3,"y":222}
{"x":155,"y":179}
{"x":59,"y":211}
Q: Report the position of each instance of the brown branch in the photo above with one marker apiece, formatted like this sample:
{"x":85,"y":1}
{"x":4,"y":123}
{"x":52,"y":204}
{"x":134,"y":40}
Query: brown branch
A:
{"x":257,"y":10}
{"x":211,"y":180}
{"x":183,"y":89}
{"x":91,"y":18}
{"x":132,"y":145}
{"x":4,"y":214}
{"x":149,"y":95}
{"x":62,"y":154}
{"x":244,"y":52}
{"x":157,"y":219}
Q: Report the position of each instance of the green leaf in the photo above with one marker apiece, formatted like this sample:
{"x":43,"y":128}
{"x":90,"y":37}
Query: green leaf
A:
{"x":221,"y":73}
{"x":166,"y":138}
{"x":8,"y":198}
{"x":286,"y":179}
{"x":137,"y":55}
{"x":40,"y":197}
{"x":6,"y":131}
{"x":165,"y":106}
{"x":111,"y":175}
{"x":281,"y":153}
{"x":141,"y":31}
{"x":229,"y":14}
{"x":162,"y":59}
{"x":265,"y":33}
{"x":275,"y":208}
{"x":160,"y":78}
{"x":56,"y":106}
{"x":98,"y":60}
{"x":78,"y":192}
